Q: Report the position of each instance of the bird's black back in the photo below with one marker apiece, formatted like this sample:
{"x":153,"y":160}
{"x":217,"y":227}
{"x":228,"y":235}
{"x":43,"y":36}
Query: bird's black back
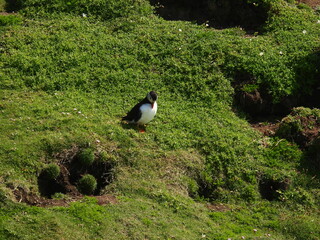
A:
{"x":135,"y":114}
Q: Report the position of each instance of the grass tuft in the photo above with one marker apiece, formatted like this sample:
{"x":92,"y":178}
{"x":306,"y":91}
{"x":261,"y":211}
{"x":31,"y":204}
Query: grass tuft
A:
{"x":87,"y":184}
{"x":51,"y":171}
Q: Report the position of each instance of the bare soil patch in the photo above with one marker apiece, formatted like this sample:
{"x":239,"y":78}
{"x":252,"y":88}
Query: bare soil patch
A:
{"x":219,"y":207}
{"x":33,"y":199}
{"x":309,"y":129}
{"x":311,"y":3}
{"x":266,"y":128}
{"x":6,"y":13}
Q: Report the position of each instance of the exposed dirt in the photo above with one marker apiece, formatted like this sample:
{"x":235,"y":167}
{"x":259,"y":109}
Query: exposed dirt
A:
{"x":266,"y":128}
{"x":309,"y":128}
{"x":311,"y":3}
{"x":6,"y":13}
{"x":219,"y":207}
{"x":33,"y":199}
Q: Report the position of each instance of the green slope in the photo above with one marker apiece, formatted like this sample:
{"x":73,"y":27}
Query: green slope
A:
{"x":198,"y":171}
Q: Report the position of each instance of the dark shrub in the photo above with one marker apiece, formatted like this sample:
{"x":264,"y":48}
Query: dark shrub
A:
{"x":87,"y":184}
{"x":86,"y":157}
{"x":51,"y":171}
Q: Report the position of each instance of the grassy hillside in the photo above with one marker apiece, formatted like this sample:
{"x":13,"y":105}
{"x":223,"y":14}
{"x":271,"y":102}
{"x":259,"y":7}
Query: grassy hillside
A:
{"x":69,"y":72}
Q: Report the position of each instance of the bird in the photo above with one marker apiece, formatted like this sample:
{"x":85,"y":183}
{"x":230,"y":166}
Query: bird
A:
{"x":144,"y":111}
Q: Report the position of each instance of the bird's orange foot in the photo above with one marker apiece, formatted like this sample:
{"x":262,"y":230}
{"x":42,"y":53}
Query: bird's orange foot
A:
{"x":142,"y":128}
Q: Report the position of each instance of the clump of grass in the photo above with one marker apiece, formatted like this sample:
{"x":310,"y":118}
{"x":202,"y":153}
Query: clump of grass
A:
{"x":86,"y":157}
{"x":51,"y":171}
{"x":289,"y":127}
{"x":58,"y":196}
{"x":87,"y":184}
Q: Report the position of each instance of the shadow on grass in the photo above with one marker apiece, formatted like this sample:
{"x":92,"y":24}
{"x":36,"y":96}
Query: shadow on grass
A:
{"x":136,"y":127}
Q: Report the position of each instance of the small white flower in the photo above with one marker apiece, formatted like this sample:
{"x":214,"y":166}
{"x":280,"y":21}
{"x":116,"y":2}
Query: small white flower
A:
{"x":180,"y":30}
{"x":63,"y":113}
{"x":318,"y":21}
{"x":179,"y":48}
{"x":255,"y":230}
{"x":280,"y":52}
{"x":268,"y":235}
{"x":261,"y":53}
{"x":79,"y":112}
{"x":304,"y":31}
{"x":203,"y":235}
{"x":243,"y":237}
{"x":68,"y":113}
{"x":75,"y":109}
{"x":98,"y":141}
{"x":84,"y":15}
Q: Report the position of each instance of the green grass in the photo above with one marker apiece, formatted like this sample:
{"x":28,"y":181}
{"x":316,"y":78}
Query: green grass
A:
{"x":66,"y":80}
{"x":2,"y":5}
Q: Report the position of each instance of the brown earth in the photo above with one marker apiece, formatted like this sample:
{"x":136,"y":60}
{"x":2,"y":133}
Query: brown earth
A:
{"x":6,"y":13}
{"x":310,"y":129}
{"x":33,"y":199}
{"x":266,"y":128}
{"x":219,"y":207}
{"x":311,"y":3}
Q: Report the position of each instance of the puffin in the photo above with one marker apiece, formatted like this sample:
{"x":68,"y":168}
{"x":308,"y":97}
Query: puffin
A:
{"x":144,"y":111}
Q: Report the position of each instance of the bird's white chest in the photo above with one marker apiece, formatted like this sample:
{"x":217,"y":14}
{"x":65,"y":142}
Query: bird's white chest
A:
{"x":147,"y":113}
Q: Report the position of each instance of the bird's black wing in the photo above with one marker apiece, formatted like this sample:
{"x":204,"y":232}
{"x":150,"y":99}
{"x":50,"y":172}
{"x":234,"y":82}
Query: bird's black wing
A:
{"x":134,"y":114}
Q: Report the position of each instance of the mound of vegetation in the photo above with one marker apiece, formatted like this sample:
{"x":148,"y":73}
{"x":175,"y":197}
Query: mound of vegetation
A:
{"x":71,"y":69}
{"x":302,"y":126}
{"x":79,"y":170}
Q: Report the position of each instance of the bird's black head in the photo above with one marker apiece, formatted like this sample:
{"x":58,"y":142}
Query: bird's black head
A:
{"x":152,"y":96}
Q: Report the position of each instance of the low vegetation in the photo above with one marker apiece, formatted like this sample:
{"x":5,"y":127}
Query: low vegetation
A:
{"x":51,"y":172}
{"x":87,"y":184}
{"x":71,"y":69}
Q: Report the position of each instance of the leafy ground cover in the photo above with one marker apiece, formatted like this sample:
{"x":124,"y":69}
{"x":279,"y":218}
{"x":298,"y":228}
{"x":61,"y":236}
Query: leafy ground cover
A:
{"x":199,"y":172}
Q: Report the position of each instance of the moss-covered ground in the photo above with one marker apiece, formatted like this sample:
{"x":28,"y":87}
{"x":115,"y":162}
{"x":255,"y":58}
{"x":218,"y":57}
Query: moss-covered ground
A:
{"x":70,"y":70}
